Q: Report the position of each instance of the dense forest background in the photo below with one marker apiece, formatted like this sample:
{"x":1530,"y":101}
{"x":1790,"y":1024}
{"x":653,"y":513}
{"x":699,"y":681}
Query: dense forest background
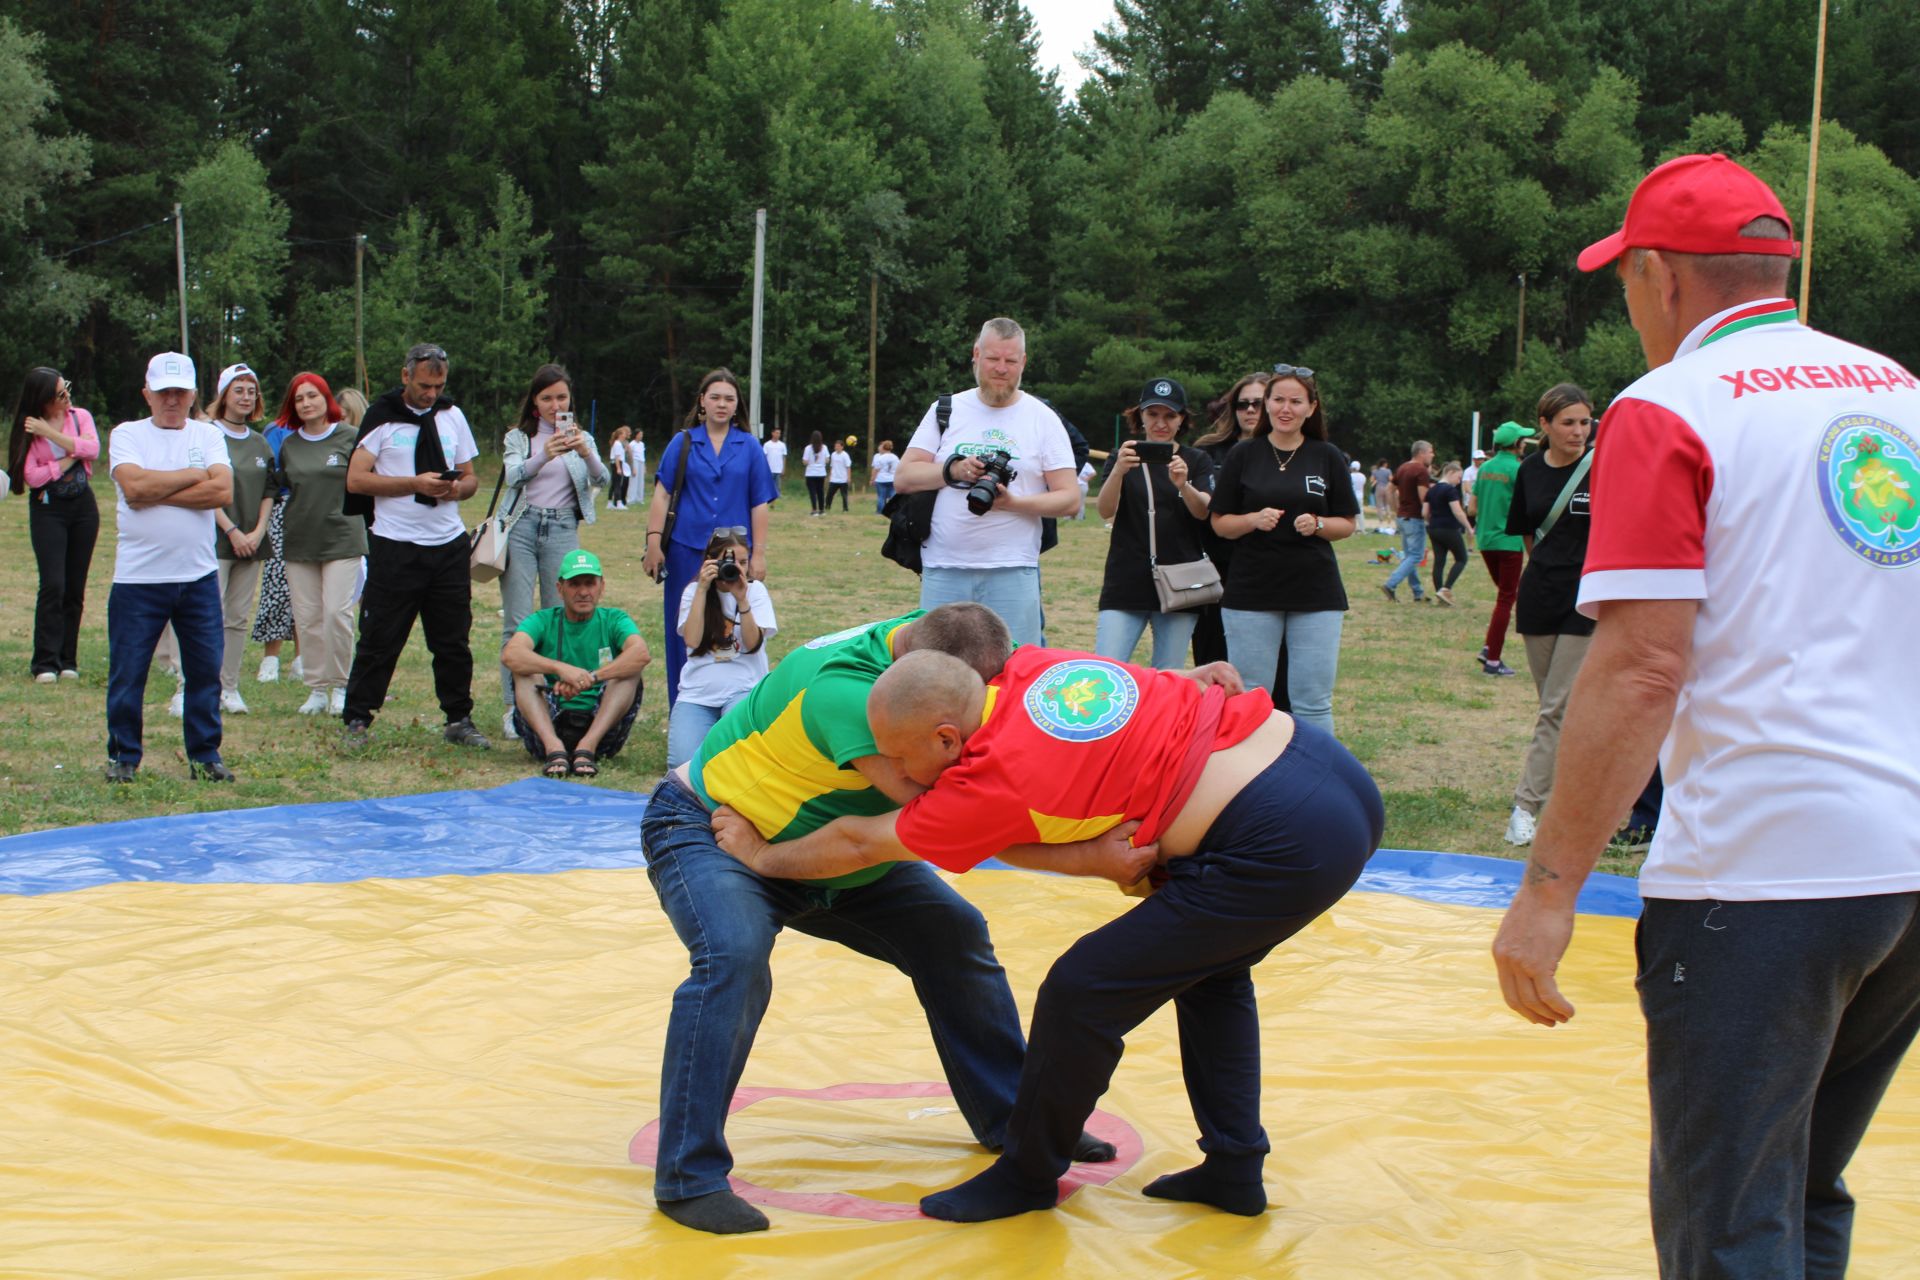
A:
{"x":1353,"y":185}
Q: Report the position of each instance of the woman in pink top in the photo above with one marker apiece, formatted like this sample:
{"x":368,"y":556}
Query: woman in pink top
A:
{"x":51,"y":455}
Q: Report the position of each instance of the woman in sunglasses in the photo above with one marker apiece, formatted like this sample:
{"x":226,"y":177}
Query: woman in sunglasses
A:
{"x":51,"y":455}
{"x":1238,"y":416}
{"x":1283,"y":498}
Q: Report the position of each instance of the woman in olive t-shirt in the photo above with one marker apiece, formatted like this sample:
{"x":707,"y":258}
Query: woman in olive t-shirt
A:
{"x":322,"y":544}
{"x":1284,"y":498}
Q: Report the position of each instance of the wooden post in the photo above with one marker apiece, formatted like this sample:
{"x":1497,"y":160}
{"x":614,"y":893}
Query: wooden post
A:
{"x":180,"y":272}
{"x":873,"y":359}
{"x":359,"y":329}
{"x":1813,"y":166}
{"x":1520,"y":333}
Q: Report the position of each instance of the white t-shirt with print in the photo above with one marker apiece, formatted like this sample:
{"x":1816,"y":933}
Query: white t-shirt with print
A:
{"x":840,"y":467}
{"x":165,"y":544}
{"x":814,"y":461}
{"x":401,"y":519}
{"x":723,"y":675}
{"x":776,"y":451}
{"x":884,"y":466}
{"x":1026,"y":429}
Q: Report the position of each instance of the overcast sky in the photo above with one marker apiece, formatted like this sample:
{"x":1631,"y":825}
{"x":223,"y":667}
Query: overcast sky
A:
{"x":1066,"y":28}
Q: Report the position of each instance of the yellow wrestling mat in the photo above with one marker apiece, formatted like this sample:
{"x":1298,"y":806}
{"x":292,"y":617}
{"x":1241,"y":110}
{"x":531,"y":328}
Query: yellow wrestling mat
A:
{"x":450,"y":1077}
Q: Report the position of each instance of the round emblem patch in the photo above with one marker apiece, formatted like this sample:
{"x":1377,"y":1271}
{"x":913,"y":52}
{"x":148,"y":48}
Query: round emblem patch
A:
{"x":1082,"y":700}
{"x":1162,"y":388}
{"x":1868,"y":472}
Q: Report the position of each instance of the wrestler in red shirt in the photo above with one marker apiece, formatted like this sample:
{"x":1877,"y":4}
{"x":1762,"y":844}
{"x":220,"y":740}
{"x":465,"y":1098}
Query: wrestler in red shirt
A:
{"x":1261,"y":824}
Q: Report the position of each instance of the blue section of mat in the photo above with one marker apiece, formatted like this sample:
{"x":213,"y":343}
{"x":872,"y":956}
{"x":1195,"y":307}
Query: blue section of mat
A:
{"x":534,"y":827}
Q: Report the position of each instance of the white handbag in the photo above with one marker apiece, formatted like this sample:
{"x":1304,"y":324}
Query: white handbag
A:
{"x":487,"y":555}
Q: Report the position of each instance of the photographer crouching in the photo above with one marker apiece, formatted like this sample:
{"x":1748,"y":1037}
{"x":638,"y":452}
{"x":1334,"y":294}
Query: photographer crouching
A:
{"x":1002,"y":465}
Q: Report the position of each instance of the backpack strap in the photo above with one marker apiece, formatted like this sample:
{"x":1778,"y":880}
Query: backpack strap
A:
{"x":1580,"y":470}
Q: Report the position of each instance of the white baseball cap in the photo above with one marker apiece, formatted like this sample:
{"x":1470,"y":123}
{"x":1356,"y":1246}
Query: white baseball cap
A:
{"x":171,"y":371}
{"x":228,"y":374}
{"x":1479,"y":454}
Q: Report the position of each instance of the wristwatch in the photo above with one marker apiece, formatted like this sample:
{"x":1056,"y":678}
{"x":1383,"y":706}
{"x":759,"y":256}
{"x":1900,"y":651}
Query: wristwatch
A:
{"x":1318,"y":524}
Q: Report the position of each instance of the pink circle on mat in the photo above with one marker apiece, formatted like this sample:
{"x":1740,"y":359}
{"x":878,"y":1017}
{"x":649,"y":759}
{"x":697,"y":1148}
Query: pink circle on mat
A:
{"x":645,"y":1147}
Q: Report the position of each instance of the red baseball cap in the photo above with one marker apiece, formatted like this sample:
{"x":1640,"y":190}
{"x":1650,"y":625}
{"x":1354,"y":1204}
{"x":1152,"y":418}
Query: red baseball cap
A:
{"x":1695,"y":204}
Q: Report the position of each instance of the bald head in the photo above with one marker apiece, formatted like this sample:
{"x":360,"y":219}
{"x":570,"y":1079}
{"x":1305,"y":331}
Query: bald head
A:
{"x":922,"y":709}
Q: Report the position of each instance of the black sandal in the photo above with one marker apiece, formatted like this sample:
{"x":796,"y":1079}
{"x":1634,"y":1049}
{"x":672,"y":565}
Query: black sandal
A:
{"x":584,"y":766}
{"x":556,"y":765}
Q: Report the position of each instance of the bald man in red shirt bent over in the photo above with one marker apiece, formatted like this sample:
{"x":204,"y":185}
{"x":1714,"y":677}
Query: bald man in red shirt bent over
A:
{"x":1262,"y":824}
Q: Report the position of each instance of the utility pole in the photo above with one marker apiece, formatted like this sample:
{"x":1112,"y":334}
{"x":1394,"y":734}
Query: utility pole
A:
{"x":759,"y":298}
{"x":1813,"y":167}
{"x":1520,"y":334}
{"x":180,"y":273}
{"x":873,"y":358}
{"x":359,"y":329}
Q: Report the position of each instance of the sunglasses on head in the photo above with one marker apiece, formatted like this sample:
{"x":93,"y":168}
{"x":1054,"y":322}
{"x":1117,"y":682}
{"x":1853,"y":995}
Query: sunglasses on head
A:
{"x":1292,"y":371}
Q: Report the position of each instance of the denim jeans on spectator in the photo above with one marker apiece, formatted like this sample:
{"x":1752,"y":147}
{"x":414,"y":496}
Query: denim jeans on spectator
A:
{"x":1013,"y":593}
{"x":1117,"y":634}
{"x":536,"y":544}
{"x":882,"y":494}
{"x":687,"y":728}
{"x":728,"y":918}
{"x":1413,"y":549}
{"x":136,"y":612}
{"x":1313,"y":656}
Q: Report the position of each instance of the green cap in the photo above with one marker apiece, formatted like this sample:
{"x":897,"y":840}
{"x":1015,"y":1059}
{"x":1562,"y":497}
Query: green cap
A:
{"x":1508,"y":433}
{"x":580,"y":564}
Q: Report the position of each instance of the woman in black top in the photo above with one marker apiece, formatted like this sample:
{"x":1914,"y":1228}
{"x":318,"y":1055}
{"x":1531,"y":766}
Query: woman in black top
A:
{"x":1182,"y":487}
{"x":1234,"y":423}
{"x":1554,"y":631}
{"x":1283,"y":497}
{"x":1447,"y":529}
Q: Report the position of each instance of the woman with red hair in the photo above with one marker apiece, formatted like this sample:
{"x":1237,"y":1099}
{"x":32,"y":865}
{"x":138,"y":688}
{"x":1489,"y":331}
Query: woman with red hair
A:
{"x":322,"y":544}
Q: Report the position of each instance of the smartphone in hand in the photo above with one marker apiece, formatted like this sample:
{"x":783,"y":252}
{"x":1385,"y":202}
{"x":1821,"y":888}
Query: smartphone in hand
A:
{"x":449,"y":476}
{"x":1160,"y":451}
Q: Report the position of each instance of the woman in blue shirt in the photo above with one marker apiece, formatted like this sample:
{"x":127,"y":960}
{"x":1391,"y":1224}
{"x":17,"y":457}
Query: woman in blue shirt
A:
{"x":727,"y":486}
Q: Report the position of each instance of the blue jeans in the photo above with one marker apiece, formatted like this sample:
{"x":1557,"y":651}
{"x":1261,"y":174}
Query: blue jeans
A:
{"x":136,"y":613}
{"x":687,"y":729}
{"x":1313,"y":656}
{"x":1413,"y":548}
{"x":728,"y":917}
{"x":1117,"y":634}
{"x":882,"y":494}
{"x":539,"y":540}
{"x":1013,"y":593}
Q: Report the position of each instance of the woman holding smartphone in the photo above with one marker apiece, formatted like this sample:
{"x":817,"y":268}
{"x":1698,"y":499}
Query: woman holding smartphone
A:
{"x":551,"y":471}
{"x":1182,"y":487}
{"x":51,"y":456}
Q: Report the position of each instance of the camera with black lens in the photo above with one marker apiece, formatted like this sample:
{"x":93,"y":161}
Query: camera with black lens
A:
{"x":729,"y":568}
{"x":998,"y":473}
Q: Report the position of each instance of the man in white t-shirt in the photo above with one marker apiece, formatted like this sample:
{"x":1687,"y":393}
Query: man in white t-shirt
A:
{"x":414,"y":459}
{"x":1472,"y":473}
{"x":1751,"y":562}
{"x":172,"y":473}
{"x":994,"y":557}
{"x":776,"y":450}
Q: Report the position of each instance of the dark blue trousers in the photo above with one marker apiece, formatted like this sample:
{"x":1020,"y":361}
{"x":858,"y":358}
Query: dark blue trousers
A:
{"x":1284,"y":850}
{"x":683,"y":566}
{"x":136,"y":614}
{"x":1773,"y":1030}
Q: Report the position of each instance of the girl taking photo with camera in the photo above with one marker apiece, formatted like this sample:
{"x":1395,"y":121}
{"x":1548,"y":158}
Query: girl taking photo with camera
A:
{"x":726,"y":619}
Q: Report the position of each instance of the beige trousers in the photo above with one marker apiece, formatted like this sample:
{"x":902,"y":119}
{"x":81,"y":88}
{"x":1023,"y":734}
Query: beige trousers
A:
{"x":239,"y":588}
{"x":322,"y":595}
{"x":1554,"y":661}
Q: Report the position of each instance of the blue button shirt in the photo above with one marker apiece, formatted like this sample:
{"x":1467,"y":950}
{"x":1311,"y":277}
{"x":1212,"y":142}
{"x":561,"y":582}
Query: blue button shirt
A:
{"x":722,"y":489}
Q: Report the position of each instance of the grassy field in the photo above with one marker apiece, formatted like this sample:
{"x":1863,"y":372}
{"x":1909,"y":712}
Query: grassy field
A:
{"x":1444,"y":741}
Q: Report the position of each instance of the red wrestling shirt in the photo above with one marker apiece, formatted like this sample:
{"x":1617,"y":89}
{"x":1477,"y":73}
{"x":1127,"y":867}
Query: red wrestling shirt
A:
{"x":1071,"y":746}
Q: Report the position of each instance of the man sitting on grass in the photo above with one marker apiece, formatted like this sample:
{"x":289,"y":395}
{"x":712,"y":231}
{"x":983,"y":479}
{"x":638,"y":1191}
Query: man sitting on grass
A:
{"x":576,"y":674}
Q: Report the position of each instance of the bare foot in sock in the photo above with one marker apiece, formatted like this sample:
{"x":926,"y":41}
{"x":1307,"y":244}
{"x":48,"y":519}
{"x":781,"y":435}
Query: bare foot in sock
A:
{"x":992,"y":1194}
{"x":720,"y":1212}
{"x":1200,"y":1185}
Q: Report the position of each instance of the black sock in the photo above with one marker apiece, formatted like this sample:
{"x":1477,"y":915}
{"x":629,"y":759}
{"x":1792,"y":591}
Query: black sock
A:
{"x":995,"y":1193}
{"x":1091,"y":1150}
{"x":721,"y":1212}
{"x":1201,"y":1185}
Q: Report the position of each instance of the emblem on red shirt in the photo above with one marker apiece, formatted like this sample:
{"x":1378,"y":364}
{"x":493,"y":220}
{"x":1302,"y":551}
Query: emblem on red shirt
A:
{"x":1082,"y":700}
{"x":1868,"y":471}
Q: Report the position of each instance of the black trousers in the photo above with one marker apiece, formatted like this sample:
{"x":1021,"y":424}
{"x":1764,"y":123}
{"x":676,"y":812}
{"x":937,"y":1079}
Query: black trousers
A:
{"x":839,"y":488}
{"x":63,"y":532}
{"x":1447,"y":542}
{"x":817,"y":492}
{"x":406,"y":581}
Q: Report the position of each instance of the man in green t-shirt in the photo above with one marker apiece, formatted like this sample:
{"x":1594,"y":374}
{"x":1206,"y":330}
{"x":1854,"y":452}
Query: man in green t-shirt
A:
{"x":1503,"y":553}
{"x":576,"y":674}
{"x":791,"y":756}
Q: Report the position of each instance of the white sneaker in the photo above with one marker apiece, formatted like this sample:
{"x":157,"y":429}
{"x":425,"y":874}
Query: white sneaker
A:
{"x":232,"y":703}
{"x":506,"y":726}
{"x":1520,"y":827}
{"x":315,"y":704}
{"x":68,"y":673}
{"x":337,"y":701}
{"x":269,"y":670}
{"x":47,"y":677}
{"x":298,"y":674}
{"x":177,"y":704}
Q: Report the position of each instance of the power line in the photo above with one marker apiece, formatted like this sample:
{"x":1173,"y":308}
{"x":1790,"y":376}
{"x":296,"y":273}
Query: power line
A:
{"x":110,"y":239}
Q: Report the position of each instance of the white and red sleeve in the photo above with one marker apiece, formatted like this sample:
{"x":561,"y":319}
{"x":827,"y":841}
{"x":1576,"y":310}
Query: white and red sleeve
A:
{"x":1652,"y":476}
